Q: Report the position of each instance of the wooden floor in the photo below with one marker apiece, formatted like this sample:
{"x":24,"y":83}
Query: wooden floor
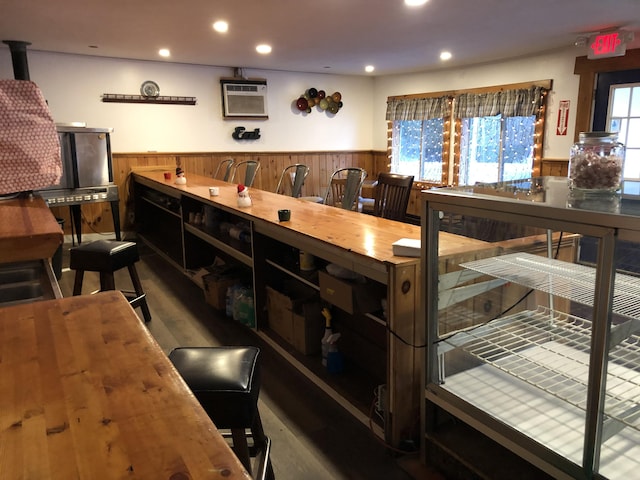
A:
{"x":312,"y":437}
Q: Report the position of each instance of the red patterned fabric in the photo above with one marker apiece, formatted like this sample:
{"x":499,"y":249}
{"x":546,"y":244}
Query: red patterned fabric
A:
{"x":29,"y":144}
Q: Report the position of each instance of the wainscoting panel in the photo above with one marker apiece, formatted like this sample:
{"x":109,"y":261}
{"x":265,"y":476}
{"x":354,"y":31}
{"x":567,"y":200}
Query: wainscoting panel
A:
{"x":97,"y":217}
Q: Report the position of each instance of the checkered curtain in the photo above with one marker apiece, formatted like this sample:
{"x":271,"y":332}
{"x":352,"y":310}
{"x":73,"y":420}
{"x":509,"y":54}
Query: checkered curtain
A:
{"x":509,"y":103}
{"x":417,"y":108}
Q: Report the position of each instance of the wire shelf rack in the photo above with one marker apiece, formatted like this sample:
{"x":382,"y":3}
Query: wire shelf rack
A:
{"x":568,"y":280}
{"x":550,"y":351}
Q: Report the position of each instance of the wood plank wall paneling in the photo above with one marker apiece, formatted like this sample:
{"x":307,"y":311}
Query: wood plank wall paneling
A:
{"x":97,"y":217}
{"x":554,"y":167}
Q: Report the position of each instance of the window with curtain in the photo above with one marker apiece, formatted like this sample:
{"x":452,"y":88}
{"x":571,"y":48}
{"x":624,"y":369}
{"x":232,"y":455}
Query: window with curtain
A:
{"x":497,"y":135}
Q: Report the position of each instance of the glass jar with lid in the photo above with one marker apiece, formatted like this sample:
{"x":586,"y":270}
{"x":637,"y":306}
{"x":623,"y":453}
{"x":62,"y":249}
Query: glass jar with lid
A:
{"x":595,"y":163}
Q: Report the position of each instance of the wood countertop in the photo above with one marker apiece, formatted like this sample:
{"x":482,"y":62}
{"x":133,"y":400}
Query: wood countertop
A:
{"x":365,"y":235}
{"x":28,"y":230}
{"x":87,"y":393}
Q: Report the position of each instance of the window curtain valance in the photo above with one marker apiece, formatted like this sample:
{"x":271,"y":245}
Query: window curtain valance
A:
{"x":509,"y":103}
{"x":417,"y":108}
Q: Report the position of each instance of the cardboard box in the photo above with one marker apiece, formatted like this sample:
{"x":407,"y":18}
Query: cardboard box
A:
{"x":280,"y":314}
{"x":308,"y":328}
{"x":215,"y":285}
{"x":350,"y":296}
{"x":296,"y":318}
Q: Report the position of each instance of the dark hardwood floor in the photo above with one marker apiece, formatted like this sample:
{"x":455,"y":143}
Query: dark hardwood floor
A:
{"x":312,"y":436}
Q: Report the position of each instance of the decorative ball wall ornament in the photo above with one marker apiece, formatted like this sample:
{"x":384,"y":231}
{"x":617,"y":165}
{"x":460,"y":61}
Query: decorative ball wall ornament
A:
{"x":319,"y":98}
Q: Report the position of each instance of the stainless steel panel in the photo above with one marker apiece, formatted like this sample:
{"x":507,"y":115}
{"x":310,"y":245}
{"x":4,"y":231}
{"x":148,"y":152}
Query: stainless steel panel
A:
{"x":27,"y":282}
{"x":66,"y":180}
{"x":77,"y":196}
{"x":86,"y":157}
{"x":92,"y":158}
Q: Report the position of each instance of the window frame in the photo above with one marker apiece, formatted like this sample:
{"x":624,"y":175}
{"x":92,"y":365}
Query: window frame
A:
{"x":626,"y":122}
{"x":453,"y":127}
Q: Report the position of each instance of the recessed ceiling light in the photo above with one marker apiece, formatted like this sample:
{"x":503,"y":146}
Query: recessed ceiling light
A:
{"x":445,"y":55}
{"x":369,"y":68}
{"x":415,"y":3}
{"x":264,"y":49}
{"x":221,"y":26}
{"x":164,"y":52}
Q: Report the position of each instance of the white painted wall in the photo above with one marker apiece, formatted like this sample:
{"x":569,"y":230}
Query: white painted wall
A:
{"x":73,"y":86}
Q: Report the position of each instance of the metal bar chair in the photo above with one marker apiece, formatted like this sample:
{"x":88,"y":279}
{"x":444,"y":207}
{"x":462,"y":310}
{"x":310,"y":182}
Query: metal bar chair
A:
{"x":224,"y":169}
{"x":295,"y":175}
{"x":344,"y":187}
{"x":251,"y":169}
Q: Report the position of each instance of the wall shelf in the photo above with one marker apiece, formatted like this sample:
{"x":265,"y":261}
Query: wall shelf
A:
{"x":162,"y":100}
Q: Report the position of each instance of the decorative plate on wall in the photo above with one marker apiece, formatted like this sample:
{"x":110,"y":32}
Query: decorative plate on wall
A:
{"x":149,"y":89}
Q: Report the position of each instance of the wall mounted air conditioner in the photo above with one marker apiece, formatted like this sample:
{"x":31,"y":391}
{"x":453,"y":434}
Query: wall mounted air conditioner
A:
{"x":244,"y":98}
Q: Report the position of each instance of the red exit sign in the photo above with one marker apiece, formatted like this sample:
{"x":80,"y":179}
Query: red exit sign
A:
{"x":604,"y":45}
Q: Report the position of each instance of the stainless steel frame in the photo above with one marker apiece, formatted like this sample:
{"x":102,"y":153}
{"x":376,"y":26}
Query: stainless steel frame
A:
{"x":559,"y":390}
{"x":87,"y":174}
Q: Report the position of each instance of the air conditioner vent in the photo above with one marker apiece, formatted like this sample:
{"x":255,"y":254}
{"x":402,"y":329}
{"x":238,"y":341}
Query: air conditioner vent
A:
{"x":244,"y":98}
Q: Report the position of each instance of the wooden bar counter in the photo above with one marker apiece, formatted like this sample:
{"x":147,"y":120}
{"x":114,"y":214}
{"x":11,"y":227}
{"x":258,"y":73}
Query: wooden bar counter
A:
{"x":356,"y":242}
{"x":28,"y":230}
{"x":87,"y":393}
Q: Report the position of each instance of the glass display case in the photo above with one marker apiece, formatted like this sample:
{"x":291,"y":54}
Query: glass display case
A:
{"x":536,"y":341}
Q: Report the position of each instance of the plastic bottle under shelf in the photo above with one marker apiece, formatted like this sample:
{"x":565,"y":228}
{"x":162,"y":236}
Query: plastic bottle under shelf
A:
{"x":327,"y":335}
{"x":229,"y":297}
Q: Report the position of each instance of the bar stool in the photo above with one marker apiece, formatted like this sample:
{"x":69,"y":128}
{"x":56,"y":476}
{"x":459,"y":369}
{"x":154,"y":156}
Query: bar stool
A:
{"x":106,"y":257}
{"x":226,"y":382}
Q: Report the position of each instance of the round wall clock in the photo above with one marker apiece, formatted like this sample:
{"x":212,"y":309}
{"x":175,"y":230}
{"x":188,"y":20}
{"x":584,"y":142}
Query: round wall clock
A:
{"x":149,"y":89}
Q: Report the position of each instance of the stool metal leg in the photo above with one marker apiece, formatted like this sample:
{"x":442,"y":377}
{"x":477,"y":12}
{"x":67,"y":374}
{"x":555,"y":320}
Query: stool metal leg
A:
{"x":241,"y":448}
{"x":107,"y":282}
{"x":264,"y":446}
{"x":264,"y":469}
{"x":141,"y":297}
{"x":261,"y":450}
{"x":77,"y":284}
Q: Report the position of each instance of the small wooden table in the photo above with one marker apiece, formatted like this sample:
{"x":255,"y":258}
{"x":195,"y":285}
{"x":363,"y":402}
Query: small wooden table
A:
{"x":87,"y":393}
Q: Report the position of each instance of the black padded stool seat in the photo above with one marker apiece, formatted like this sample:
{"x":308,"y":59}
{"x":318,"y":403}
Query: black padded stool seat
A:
{"x":226,"y":382}
{"x":106,"y":257}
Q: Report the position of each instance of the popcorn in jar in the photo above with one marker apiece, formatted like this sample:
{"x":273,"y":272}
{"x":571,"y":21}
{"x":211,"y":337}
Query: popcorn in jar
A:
{"x":596,"y":161}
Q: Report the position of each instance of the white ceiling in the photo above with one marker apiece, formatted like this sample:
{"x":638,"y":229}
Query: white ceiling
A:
{"x":324,"y":36}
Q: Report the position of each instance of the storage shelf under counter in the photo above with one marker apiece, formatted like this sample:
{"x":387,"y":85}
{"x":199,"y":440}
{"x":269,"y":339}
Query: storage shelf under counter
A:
{"x":237,"y":249}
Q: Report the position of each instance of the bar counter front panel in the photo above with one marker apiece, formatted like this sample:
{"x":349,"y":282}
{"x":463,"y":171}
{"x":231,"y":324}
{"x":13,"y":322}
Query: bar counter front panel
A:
{"x":357,"y":242}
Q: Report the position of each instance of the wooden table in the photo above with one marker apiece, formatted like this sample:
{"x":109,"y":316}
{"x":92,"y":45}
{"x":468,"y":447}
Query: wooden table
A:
{"x":87,"y":393}
{"x":28,"y":230}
